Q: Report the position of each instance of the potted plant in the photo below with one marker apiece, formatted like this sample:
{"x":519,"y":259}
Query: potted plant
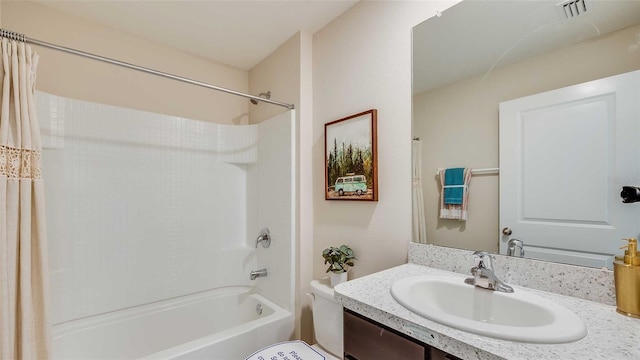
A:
{"x":339,"y":260}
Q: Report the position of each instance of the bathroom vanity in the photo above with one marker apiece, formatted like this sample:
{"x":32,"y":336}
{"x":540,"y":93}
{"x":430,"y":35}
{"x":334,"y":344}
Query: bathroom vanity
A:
{"x":374,"y":312}
{"x":365,"y":339}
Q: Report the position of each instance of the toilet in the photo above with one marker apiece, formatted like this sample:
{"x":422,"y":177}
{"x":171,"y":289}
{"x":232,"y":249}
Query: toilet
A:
{"x":327,"y":320}
{"x":327,"y":324}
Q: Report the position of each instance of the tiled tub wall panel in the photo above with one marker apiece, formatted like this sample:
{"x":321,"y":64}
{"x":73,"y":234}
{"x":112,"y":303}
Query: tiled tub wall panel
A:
{"x":276,"y":189}
{"x":141,"y":207}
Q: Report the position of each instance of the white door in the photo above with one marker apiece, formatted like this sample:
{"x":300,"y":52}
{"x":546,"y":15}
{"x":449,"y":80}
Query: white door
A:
{"x":564,"y":157}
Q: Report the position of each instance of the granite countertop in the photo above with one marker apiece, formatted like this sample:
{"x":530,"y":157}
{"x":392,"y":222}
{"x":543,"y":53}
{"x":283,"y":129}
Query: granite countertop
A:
{"x":610,"y":335}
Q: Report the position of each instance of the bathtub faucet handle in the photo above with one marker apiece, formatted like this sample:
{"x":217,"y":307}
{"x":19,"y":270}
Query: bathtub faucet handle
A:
{"x":264,"y":238}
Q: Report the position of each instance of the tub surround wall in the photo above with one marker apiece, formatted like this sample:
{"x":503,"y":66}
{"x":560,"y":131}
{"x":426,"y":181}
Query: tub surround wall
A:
{"x":577,"y":281}
{"x":156,"y":207}
{"x":287,"y":73}
{"x":127,"y":198}
{"x":274,"y":204}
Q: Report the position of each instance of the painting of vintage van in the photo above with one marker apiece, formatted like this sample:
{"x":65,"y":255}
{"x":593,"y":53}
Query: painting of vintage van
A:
{"x":350,"y":162}
{"x":353,"y":184}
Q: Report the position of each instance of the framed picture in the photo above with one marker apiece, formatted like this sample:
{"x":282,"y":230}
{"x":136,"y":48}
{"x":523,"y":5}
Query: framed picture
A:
{"x":351,"y":158}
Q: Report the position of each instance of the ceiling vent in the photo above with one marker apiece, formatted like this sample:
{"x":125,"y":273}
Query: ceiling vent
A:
{"x":573,"y":8}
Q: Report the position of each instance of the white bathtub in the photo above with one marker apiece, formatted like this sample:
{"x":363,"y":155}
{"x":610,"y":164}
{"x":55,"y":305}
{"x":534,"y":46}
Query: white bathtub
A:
{"x":219,"y":324}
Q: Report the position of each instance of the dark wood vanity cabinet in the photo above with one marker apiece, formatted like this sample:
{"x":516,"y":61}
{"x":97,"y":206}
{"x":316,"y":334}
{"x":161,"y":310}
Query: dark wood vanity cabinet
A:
{"x":365,"y":339}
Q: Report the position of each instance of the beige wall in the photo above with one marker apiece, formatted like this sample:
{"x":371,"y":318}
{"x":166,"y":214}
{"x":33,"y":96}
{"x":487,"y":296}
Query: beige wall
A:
{"x":75,"y":77}
{"x":280,"y":73}
{"x":362,"y":60}
{"x":287,"y":73}
{"x":458,"y":126}
{"x":305,"y":190}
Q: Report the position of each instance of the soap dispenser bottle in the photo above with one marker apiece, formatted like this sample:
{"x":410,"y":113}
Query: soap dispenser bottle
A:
{"x":626,"y":272}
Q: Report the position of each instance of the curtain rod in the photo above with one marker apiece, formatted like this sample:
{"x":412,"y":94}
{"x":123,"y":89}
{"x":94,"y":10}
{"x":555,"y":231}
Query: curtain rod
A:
{"x":22,"y":38}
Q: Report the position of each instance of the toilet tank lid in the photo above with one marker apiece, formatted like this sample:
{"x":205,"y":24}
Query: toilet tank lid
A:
{"x":322,"y":288}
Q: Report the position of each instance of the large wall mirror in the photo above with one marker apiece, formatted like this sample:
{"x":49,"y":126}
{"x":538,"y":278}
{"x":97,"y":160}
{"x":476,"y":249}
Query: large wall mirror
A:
{"x":479,"y":61}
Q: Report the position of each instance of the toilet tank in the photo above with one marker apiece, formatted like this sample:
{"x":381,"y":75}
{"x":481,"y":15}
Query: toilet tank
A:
{"x":327,"y":317}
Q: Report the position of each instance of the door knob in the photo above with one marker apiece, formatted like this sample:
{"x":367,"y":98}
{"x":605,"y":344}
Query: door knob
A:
{"x":507,"y":231}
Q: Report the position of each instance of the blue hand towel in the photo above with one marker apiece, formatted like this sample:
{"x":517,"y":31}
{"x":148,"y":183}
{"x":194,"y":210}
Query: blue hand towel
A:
{"x":453,"y":186}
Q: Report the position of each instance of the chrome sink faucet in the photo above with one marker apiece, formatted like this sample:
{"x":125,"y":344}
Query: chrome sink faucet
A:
{"x":483,"y":275}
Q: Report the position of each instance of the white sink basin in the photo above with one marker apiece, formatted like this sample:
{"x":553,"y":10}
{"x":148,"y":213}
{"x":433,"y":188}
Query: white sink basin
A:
{"x":518,"y":316}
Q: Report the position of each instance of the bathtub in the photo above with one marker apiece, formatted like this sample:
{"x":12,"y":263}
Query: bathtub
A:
{"x":228,"y":323}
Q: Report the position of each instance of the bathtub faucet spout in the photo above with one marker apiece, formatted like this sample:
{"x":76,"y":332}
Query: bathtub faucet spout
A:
{"x":257,"y":273}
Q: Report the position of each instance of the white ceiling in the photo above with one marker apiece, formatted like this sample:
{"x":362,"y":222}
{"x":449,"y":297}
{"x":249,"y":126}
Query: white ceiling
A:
{"x":474,"y":37}
{"x":234,"y":32}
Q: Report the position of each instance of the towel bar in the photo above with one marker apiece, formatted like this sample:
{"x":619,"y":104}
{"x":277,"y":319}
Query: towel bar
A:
{"x":479,"y":171}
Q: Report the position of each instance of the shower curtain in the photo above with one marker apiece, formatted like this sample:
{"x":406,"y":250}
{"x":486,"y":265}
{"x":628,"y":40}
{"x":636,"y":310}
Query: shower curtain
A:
{"x":419,"y":226}
{"x":24,"y":325}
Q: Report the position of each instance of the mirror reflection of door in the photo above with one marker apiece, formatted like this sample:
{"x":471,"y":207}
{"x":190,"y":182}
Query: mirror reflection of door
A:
{"x":564,"y":156}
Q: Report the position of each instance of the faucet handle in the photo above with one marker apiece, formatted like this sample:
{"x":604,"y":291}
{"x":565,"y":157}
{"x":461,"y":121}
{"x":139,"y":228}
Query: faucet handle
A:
{"x":264,"y":238}
{"x":482,"y":259}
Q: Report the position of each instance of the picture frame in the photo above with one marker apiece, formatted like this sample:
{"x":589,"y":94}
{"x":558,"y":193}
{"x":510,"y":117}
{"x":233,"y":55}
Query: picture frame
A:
{"x":351,"y":157}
